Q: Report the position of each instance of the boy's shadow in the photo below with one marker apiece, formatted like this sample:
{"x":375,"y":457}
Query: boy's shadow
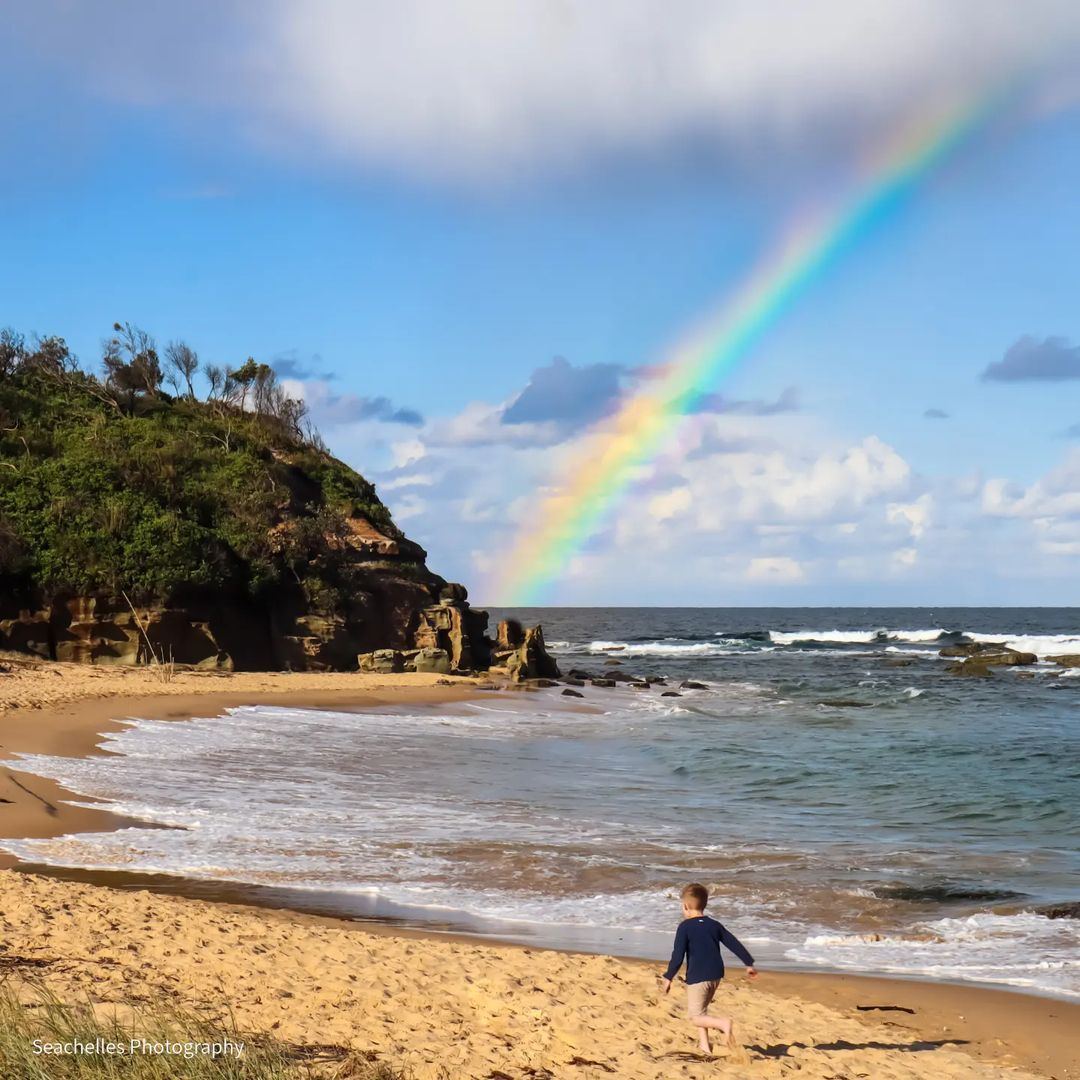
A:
{"x":779,"y":1050}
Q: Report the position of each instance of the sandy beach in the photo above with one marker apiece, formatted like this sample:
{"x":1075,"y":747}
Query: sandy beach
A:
{"x":438,"y":1005}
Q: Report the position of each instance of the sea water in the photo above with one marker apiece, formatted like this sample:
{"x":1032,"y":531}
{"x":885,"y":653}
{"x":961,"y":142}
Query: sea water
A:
{"x":849,"y":803}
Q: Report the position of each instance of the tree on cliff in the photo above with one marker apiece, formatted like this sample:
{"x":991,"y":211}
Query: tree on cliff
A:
{"x":183,"y":363}
{"x":112,"y":483}
{"x":132,"y":367}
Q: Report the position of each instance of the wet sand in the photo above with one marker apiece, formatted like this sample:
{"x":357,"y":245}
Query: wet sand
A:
{"x":429,"y":1000}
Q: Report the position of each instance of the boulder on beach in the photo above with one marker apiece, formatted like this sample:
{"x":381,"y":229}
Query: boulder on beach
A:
{"x":436,"y":661}
{"x":382,"y":662}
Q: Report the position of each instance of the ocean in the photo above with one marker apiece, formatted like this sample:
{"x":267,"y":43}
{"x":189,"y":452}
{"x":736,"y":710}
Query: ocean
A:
{"x":850,"y":805}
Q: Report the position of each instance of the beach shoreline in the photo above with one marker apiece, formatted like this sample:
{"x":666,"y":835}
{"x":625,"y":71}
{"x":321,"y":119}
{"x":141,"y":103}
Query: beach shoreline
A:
{"x":63,"y":709}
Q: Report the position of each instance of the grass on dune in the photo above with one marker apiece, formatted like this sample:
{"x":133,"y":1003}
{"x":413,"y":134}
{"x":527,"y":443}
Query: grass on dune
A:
{"x":41,"y":1016}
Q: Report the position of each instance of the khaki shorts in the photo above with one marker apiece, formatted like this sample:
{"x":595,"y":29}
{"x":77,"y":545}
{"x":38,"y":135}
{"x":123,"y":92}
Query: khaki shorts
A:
{"x":698,"y":997}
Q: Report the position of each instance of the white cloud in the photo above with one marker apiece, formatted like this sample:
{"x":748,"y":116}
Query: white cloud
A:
{"x":491,"y":88}
{"x":1053,"y":496}
{"x":915,"y":515}
{"x":778,"y":570}
{"x":1050,"y":506}
{"x":670,"y":504}
{"x":795,"y":508}
{"x":407,"y":452}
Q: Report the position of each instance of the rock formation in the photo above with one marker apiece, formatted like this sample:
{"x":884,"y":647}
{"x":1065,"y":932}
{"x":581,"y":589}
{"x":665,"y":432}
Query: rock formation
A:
{"x":521,"y":653}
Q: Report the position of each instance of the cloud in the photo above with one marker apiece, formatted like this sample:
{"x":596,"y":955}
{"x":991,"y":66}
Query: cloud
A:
{"x":1072,"y":431}
{"x":1053,"y":497}
{"x":1029,"y":359}
{"x":481,"y":424}
{"x":670,"y":504}
{"x":482,"y":89}
{"x":1049,"y":507}
{"x":289,"y":365}
{"x":935,"y":414}
{"x":915,"y":515}
{"x":332,"y":409}
{"x":788,"y":401}
{"x":775,"y":570}
{"x":787,"y":504}
{"x":567,"y":395}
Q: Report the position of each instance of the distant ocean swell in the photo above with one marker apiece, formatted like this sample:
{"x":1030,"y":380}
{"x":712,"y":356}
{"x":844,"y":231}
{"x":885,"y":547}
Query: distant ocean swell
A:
{"x":726,"y":642}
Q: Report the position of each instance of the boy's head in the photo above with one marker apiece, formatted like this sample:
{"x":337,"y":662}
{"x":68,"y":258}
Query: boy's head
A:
{"x":694,"y":898}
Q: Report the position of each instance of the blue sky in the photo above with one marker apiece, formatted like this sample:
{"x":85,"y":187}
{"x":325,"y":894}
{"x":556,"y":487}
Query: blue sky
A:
{"x":430,"y":206}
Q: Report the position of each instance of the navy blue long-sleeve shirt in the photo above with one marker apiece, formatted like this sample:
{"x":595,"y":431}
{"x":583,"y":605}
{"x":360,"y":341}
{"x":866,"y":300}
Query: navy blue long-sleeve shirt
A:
{"x":698,"y":940}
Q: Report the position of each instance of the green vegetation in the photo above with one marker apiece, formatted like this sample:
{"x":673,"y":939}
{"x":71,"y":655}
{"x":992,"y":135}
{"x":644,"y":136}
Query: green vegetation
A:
{"x":40,"y":1020}
{"x":129,"y":481}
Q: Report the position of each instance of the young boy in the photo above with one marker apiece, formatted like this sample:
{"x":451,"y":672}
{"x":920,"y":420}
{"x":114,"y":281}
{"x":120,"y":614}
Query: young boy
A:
{"x":698,"y":941}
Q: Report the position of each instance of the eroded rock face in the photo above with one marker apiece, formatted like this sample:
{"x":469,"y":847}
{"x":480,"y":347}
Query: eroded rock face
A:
{"x":401,"y":620}
{"x":531,"y":660}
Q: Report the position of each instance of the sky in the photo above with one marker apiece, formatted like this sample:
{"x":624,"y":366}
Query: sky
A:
{"x":465,"y":232}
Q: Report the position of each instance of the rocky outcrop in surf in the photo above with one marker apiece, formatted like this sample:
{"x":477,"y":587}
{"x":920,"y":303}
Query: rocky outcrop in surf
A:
{"x":976,"y":658}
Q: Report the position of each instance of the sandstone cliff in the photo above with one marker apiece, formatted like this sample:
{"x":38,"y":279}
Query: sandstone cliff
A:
{"x":138,"y":526}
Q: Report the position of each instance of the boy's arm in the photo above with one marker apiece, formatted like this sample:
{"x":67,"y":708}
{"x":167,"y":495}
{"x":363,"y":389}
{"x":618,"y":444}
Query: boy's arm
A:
{"x":678,"y":954}
{"x":728,"y":939}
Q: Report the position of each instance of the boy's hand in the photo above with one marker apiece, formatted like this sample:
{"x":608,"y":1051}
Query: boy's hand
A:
{"x":667,"y":984}
{"x":751,"y":972}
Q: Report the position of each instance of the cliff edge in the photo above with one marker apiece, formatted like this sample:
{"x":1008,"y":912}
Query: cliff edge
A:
{"x":140,"y":525}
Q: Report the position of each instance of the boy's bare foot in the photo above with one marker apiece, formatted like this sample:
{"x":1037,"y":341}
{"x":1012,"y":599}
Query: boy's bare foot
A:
{"x":703,"y":1042}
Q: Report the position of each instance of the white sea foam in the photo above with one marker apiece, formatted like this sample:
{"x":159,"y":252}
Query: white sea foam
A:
{"x":894,"y":640}
{"x":1023,"y":950}
{"x":1041,"y":644}
{"x":721,"y":647}
{"x":855,"y":637}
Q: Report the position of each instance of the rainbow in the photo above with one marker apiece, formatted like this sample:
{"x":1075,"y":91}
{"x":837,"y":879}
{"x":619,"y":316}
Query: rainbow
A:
{"x":625,"y":441}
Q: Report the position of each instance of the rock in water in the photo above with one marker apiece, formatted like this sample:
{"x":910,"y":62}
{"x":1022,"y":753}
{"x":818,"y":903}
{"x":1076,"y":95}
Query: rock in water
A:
{"x":973,"y":648}
{"x":572,"y":693}
{"x":970,"y":667}
{"x":1070,"y":910}
{"x":689,"y":685}
{"x":1070,"y":660}
{"x":532,"y":660}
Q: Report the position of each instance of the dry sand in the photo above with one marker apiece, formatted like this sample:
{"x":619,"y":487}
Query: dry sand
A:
{"x":445,"y":1007}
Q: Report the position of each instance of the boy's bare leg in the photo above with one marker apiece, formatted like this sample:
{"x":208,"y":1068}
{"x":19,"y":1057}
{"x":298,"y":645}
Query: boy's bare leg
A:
{"x":703,"y":1038}
{"x":715,"y":1023}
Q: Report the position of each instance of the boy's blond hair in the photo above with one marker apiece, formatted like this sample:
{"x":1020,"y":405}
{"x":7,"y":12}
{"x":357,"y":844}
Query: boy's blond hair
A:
{"x":695,"y":896}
